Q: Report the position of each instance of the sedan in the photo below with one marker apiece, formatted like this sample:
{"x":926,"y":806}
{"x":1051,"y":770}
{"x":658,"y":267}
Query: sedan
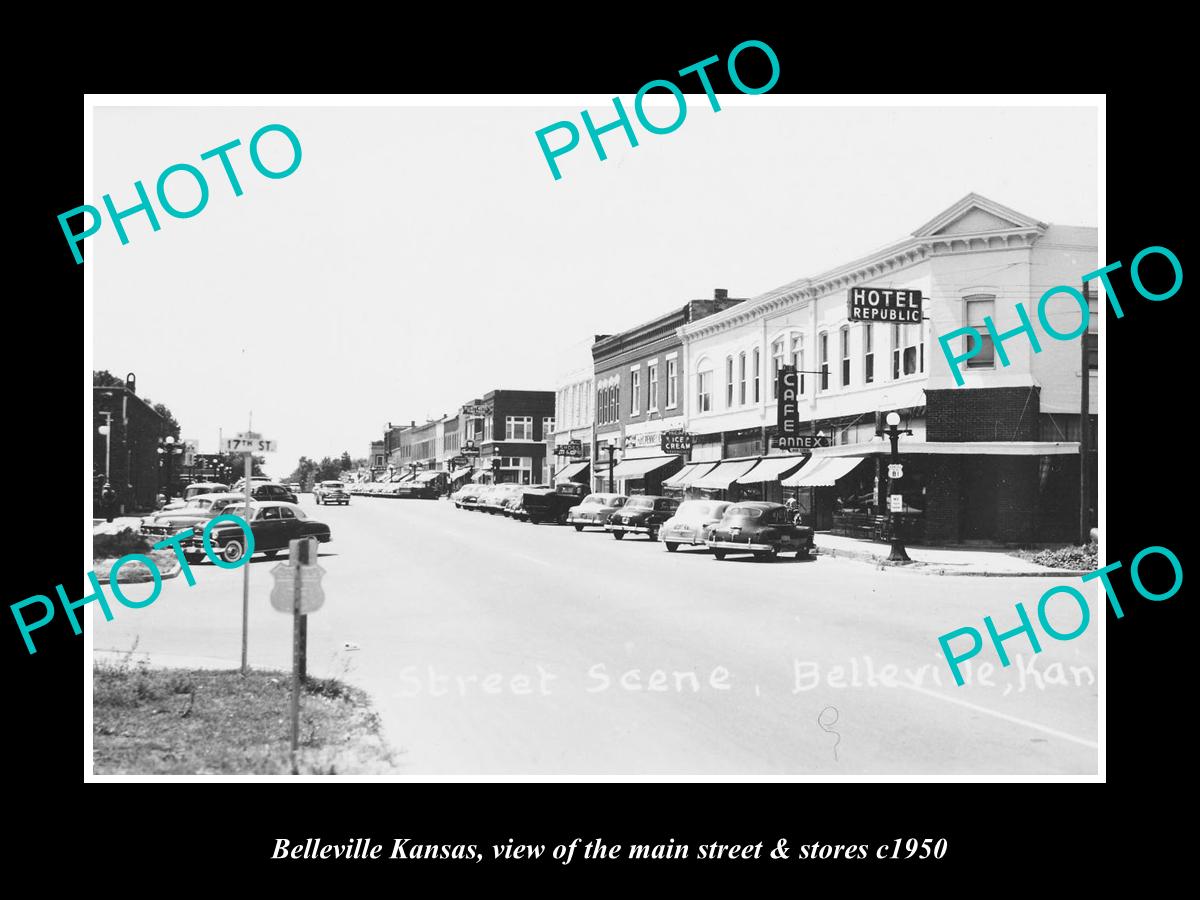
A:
{"x":196,"y":512}
{"x":641,"y":515}
{"x":273,"y":525}
{"x":763,"y":529}
{"x":692,"y":522}
{"x":595,"y":510}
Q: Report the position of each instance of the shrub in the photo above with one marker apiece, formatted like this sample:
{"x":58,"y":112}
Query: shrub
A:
{"x":1077,"y":558}
{"x":111,"y":546}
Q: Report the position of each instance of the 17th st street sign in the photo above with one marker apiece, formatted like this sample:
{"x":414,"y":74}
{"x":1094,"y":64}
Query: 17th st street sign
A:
{"x":899,"y":306}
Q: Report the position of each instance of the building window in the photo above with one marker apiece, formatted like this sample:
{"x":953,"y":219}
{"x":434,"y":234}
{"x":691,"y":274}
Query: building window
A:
{"x":672,"y":383}
{"x":635,"y":391}
{"x":895,"y":352}
{"x":742,"y":378}
{"x":757,"y":395}
{"x":798,"y":358}
{"x":704,"y":391}
{"x":844,"y":339}
{"x":547,"y":427}
{"x":823,"y":351}
{"x":868,"y":352}
{"x":600,"y":407}
{"x":776,"y":365}
{"x":616,"y":402}
{"x":487,"y":428}
{"x":728,"y":382}
{"x":652,"y":388}
{"x":979,"y":307}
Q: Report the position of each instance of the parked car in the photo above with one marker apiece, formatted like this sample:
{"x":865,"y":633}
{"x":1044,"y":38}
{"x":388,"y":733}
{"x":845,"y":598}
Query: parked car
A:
{"x":552,"y":506}
{"x":474,"y":498}
{"x":204,"y":487}
{"x":195,"y":513}
{"x":643,"y":514}
{"x":294,"y":487}
{"x":327,"y":492}
{"x":470,"y":489}
{"x":514,"y":507}
{"x":499,"y":495}
{"x":692,"y":522}
{"x":272,"y":523}
{"x":764,"y":529}
{"x":420,"y":490}
{"x":594,"y":511}
{"x":240,"y":484}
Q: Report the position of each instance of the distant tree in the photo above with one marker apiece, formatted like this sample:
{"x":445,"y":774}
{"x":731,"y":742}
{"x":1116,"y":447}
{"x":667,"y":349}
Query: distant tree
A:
{"x":105,"y":378}
{"x":346,"y":463}
{"x":172,"y":423}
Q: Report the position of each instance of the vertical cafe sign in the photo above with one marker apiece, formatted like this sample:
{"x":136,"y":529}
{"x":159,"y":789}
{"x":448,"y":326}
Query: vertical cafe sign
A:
{"x":788,"y":423}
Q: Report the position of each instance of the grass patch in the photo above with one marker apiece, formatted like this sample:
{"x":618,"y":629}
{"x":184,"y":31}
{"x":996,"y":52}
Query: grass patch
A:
{"x":149,"y":721}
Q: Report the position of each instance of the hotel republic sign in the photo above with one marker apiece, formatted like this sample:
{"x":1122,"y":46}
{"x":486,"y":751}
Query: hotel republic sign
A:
{"x":899,"y":306}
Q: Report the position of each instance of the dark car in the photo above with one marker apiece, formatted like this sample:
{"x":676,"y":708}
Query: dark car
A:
{"x":331,"y":492}
{"x":552,"y":506}
{"x":763,"y":529}
{"x":269,"y":491}
{"x":641,"y":515}
{"x":273,"y":524}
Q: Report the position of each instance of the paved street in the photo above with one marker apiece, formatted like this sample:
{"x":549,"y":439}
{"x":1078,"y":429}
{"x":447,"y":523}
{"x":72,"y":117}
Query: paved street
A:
{"x":494,"y":646}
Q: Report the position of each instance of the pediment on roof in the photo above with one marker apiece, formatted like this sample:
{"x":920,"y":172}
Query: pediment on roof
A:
{"x":974,"y":214}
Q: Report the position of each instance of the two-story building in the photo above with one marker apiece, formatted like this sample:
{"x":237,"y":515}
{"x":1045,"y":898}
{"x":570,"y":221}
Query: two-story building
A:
{"x":574,"y":417}
{"x":515,"y":428}
{"x":638,"y":378}
{"x":125,"y":453}
{"x":995,"y":459}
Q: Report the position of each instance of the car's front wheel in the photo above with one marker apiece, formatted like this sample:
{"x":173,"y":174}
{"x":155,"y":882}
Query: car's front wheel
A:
{"x":233,"y":550}
{"x":618,"y":534}
{"x":579,"y":528}
{"x":718,"y":554}
{"x":671,"y":547}
{"x":766,"y":554}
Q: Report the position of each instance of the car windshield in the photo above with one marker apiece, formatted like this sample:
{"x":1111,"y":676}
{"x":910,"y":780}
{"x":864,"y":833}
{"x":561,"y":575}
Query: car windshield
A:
{"x":743,"y":512}
{"x":335,"y":485}
{"x":197,"y":503}
{"x":239,"y":511}
{"x":604,"y":499}
{"x":218,"y":505}
{"x":640,"y":503}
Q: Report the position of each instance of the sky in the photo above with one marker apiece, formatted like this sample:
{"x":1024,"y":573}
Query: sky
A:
{"x":420,"y":257}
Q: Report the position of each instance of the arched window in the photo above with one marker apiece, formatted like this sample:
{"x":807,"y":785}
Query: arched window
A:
{"x":704,"y":386}
{"x":728,"y":381}
{"x":757,"y":376}
{"x":776,"y":365}
{"x":844,"y":343}
{"x":798,"y":357}
{"x":823,"y":352}
{"x":742,"y":378}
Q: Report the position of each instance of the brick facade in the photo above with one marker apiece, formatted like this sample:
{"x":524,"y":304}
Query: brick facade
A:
{"x":986,"y":414}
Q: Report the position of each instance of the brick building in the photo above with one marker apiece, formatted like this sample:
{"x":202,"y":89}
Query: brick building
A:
{"x":517,"y":428}
{"x":637,"y":380}
{"x":993,"y":460}
{"x":128,"y":456}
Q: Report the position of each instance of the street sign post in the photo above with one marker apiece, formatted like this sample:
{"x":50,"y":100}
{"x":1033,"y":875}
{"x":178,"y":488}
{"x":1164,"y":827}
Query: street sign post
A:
{"x":247,"y":442}
{"x":298,"y":591}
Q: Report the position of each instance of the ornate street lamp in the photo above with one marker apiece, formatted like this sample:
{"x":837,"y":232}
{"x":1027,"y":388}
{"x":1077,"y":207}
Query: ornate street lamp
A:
{"x":895,"y":473}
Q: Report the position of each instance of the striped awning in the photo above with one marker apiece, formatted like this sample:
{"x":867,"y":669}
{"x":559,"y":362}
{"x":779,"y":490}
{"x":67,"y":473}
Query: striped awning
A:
{"x":689,"y":473}
{"x":724,"y":474}
{"x":823,"y":472}
{"x":772,"y":468}
{"x":639,"y":468}
{"x":570,"y":470}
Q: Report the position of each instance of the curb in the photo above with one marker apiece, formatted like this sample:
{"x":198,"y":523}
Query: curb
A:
{"x":930,"y":568}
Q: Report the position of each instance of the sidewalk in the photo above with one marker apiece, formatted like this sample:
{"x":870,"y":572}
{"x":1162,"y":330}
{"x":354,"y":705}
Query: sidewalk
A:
{"x":936,"y":560}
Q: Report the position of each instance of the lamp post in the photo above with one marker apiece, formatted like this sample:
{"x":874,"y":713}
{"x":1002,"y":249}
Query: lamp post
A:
{"x":611,"y":447}
{"x":893,"y":432}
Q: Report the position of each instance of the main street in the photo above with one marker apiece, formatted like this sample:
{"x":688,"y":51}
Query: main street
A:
{"x":491,"y":646}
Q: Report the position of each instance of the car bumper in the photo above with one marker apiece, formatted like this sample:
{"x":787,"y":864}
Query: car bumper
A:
{"x":682,"y":536}
{"x":738,"y":545}
{"x":590,"y":521}
{"x":632,"y":529}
